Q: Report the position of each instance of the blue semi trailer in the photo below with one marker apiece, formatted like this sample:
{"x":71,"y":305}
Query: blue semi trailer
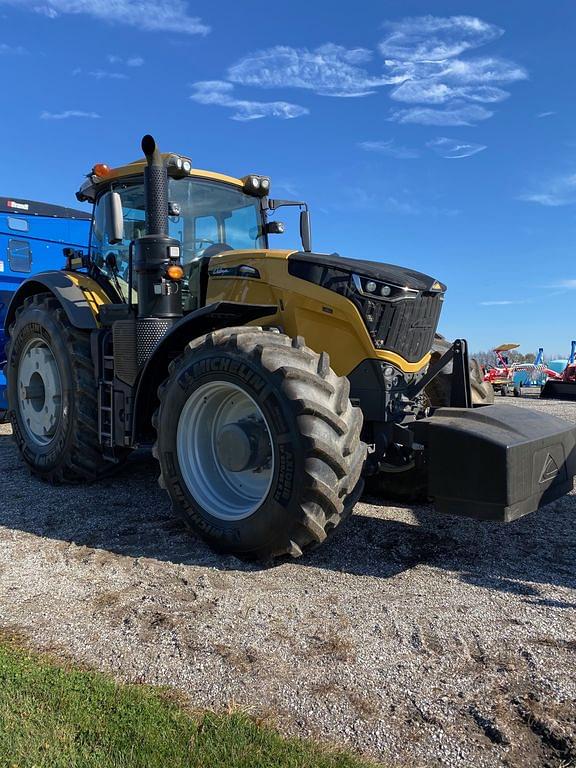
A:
{"x":32,"y":237}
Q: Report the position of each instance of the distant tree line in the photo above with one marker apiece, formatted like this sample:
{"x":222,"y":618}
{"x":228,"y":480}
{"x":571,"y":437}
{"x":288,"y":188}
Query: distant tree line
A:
{"x":488,"y":358}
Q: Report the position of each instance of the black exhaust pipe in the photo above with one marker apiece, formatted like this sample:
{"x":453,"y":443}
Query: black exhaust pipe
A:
{"x":159,"y":293}
{"x":155,"y":189}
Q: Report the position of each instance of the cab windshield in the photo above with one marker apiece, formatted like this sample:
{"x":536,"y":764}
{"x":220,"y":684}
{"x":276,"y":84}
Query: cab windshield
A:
{"x":214,"y":214}
{"x":212,"y":217}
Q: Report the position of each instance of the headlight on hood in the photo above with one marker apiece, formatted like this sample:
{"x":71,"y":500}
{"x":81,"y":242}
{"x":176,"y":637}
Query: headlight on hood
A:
{"x":376,"y":289}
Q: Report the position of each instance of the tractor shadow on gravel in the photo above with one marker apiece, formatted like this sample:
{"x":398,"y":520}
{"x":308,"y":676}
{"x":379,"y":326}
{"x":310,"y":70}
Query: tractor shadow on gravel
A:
{"x":514,"y":558}
{"x":130,"y":515}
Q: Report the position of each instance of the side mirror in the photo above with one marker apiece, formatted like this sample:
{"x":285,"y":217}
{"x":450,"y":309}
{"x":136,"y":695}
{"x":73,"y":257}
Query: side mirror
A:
{"x":305,"y":231}
{"x":275,"y":228}
{"x":113,"y":217}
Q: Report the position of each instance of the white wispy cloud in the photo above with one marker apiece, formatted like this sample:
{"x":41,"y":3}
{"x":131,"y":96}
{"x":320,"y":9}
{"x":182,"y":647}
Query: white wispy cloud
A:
{"x":132,"y":61}
{"x":220,"y":93}
{"x":116,"y":61}
{"x":330,"y":70}
{"x":390,"y":148}
{"x":101,"y":74}
{"x":434,"y":92}
{"x":287,"y":186}
{"x":421,"y":57}
{"x":453,"y":149}
{"x":423,"y":66}
{"x":69,"y":113}
{"x":149,"y":15}
{"x":555,"y":192}
{"x":15,"y":50}
{"x":434,"y":38}
{"x":540,"y":115}
{"x":503,"y":302}
{"x":402,"y":202}
{"x":454,"y":114}
{"x":569,"y":283}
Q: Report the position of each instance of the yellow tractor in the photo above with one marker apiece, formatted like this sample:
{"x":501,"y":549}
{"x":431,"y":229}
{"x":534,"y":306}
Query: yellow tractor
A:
{"x":270,"y":383}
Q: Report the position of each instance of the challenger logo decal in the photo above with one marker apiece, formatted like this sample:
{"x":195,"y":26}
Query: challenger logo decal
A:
{"x":549,"y":470}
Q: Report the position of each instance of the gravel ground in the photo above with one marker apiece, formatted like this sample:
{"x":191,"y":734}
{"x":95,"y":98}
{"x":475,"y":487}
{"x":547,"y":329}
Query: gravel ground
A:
{"x":417,"y":639}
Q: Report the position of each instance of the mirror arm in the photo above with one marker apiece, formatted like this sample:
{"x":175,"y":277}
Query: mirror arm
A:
{"x":305,"y":233}
{"x":275,"y":204}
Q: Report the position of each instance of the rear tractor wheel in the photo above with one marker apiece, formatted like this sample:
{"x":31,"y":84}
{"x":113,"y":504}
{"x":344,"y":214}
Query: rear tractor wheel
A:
{"x":258,"y":444}
{"x":52,"y":394}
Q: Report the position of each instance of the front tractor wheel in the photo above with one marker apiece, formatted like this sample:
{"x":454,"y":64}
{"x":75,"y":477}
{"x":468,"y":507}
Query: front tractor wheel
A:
{"x":258,"y":444}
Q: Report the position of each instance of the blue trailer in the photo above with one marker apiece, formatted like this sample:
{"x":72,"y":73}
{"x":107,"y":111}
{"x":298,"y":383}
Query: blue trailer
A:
{"x":32,"y":237}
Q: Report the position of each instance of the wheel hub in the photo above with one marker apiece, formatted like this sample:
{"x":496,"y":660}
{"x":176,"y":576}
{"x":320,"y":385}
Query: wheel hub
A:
{"x":224,"y":449}
{"x":242,"y":446}
{"x":39,"y":391}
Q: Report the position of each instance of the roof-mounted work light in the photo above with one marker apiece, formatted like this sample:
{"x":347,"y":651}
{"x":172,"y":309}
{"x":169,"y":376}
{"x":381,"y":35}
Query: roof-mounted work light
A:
{"x":259,"y":186}
{"x":179,"y":166}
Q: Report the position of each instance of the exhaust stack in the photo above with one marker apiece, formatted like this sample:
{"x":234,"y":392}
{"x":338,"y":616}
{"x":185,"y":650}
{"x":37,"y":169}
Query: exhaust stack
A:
{"x":155,"y":189}
{"x":159,"y":295}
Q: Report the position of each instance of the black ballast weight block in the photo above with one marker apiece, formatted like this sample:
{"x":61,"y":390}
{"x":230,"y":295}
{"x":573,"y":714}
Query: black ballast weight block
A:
{"x":497,"y":462}
{"x":560,"y":390}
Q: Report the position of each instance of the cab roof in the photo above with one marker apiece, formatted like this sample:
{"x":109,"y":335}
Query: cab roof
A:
{"x":94,"y":183}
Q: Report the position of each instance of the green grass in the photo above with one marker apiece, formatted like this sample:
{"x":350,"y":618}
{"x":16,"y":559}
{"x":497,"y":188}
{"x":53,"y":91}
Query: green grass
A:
{"x":54,"y":716}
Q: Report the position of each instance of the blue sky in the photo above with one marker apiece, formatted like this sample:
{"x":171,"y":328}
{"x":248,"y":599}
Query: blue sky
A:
{"x":440,"y":136}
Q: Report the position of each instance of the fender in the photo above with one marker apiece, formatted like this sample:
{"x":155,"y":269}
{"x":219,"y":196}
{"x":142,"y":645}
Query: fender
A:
{"x":80,"y":296}
{"x":221,"y":314}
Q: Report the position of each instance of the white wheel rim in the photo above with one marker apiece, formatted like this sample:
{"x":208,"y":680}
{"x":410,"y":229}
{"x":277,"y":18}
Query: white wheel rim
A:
{"x":223,"y":493}
{"x":39,"y":392}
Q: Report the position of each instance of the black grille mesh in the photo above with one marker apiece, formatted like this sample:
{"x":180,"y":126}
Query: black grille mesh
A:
{"x":406,"y":327}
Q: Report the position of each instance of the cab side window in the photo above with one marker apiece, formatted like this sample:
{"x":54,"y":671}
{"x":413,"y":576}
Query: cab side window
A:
{"x":242,"y":229}
{"x":134,"y":227}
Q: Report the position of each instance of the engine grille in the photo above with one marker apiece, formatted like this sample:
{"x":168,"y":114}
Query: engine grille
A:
{"x":406,"y":327}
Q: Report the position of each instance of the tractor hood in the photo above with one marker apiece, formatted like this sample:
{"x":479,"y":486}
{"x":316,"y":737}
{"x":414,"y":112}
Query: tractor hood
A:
{"x":400,"y":307}
{"x":376,"y":270}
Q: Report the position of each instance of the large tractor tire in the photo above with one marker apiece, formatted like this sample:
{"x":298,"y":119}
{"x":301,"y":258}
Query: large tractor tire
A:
{"x":52,"y":394}
{"x":410,"y":483}
{"x":258,"y":444}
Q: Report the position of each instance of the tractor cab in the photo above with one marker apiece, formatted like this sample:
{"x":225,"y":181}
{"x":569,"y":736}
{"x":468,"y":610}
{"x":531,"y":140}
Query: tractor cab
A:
{"x":209,"y":214}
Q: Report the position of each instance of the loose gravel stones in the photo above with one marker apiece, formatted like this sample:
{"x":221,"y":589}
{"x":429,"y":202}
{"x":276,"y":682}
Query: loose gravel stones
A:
{"x":414,"y":638}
